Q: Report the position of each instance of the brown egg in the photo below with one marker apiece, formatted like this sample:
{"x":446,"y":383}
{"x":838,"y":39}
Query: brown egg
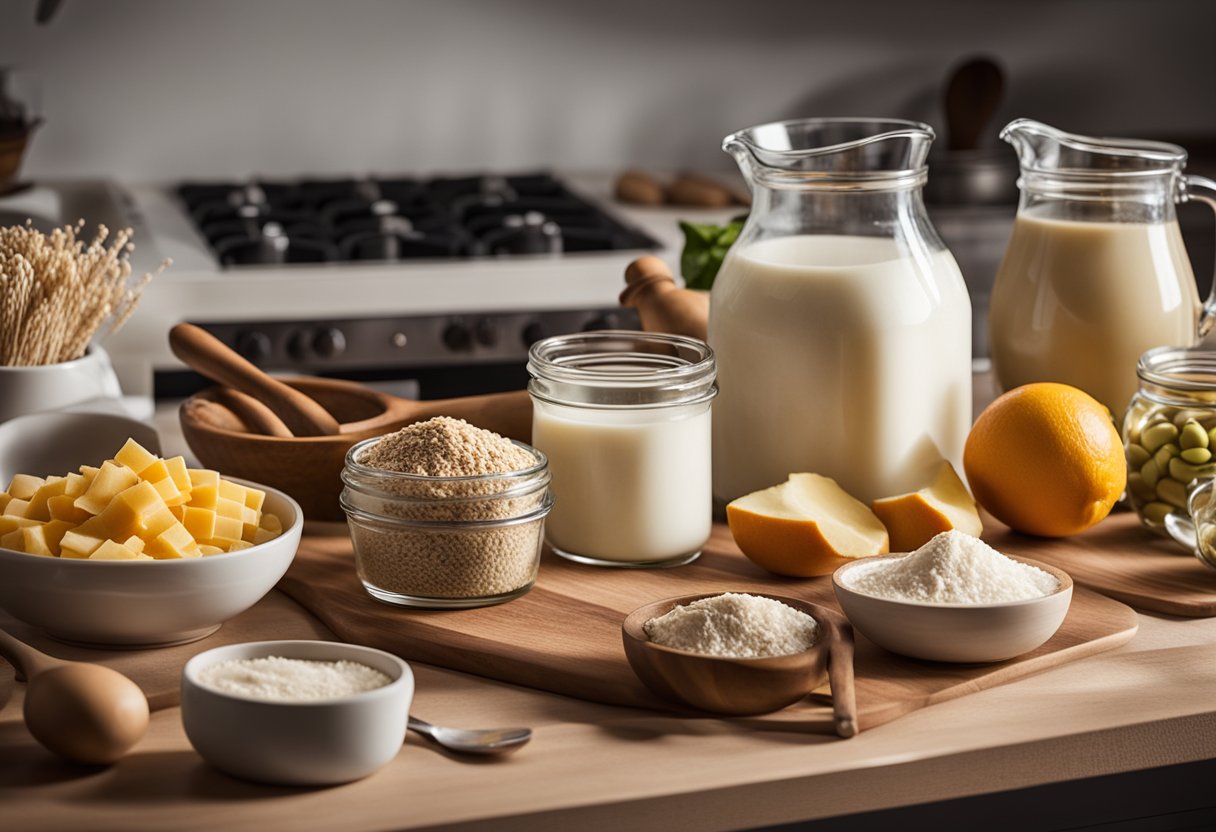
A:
{"x":86,"y":712}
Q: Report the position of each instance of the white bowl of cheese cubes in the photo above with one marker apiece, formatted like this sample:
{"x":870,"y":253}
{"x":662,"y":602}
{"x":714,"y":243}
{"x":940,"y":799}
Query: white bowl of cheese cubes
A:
{"x":140,"y":551}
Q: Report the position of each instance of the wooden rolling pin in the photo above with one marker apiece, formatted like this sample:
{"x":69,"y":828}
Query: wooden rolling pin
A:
{"x":202,"y":351}
{"x":662,"y":305}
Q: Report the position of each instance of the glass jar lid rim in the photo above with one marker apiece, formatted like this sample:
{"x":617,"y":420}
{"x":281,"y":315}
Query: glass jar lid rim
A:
{"x":666,"y":369}
{"x":1166,"y":366}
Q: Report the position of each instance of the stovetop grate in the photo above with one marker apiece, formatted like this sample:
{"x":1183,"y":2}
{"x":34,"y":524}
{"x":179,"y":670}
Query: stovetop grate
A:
{"x":392,"y":219}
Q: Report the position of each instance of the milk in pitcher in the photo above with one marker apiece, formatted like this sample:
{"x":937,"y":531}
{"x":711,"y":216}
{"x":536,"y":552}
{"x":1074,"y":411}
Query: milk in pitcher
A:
{"x":1079,"y":302}
{"x":847,"y":356}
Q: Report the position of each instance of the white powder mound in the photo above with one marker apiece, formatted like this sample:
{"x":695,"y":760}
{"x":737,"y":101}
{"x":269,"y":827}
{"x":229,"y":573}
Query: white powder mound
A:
{"x":734,"y":625}
{"x":953,"y":568}
{"x":291,"y":680}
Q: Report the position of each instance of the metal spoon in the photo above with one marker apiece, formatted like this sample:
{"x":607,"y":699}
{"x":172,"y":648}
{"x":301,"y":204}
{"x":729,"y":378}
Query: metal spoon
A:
{"x":473,"y":741}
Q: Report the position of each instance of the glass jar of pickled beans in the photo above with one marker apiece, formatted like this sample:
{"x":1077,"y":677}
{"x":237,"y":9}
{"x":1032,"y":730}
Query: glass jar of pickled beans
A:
{"x":1169,"y":432}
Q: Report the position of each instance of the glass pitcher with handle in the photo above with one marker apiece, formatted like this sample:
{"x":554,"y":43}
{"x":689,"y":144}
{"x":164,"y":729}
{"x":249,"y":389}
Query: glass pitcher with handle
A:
{"x":1096,"y":272}
{"x":840,"y":322}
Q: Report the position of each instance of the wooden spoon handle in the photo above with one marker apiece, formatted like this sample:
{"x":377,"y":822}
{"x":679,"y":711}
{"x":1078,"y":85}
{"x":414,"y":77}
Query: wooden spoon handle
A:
{"x":27,"y":661}
{"x":840,"y":678}
{"x":507,"y":414}
{"x":210,"y":356}
{"x":257,"y":417}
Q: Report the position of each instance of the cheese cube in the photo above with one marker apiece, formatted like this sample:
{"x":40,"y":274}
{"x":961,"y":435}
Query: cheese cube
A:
{"x":53,"y":532}
{"x":23,"y":486}
{"x":110,"y":480}
{"x":155,"y":471}
{"x":78,"y":545}
{"x":231,"y":491}
{"x":127,"y":514}
{"x":158,"y":523}
{"x":261,"y":535}
{"x":271,"y":522}
{"x":238,"y":545}
{"x":206,"y":549}
{"x":34,"y":541}
{"x":14,"y":540}
{"x":8,"y":523}
{"x":109,"y":550}
{"x":169,"y":493}
{"x":200,"y":522}
{"x":173,"y":542}
{"x":88,"y":472}
{"x":5,"y":497}
{"x":204,"y":487}
{"x":76,"y":485}
{"x":63,"y":507}
{"x":17,"y":508}
{"x":227,"y":528}
{"x":135,"y":544}
{"x":255,"y":498}
{"x":135,"y":456}
{"x":179,"y":472}
{"x":53,"y":487}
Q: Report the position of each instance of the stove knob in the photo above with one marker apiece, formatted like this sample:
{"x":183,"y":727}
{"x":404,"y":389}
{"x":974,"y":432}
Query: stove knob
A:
{"x":299,"y":345}
{"x":254,"y":345}
{"x":486,"y":333}
{"x":532,"y":333}
{"x":329,"y":343}
{"x":457,"y":337}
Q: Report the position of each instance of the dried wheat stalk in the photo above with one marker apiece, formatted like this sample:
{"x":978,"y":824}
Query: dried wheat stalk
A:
{"x":57,"y":291}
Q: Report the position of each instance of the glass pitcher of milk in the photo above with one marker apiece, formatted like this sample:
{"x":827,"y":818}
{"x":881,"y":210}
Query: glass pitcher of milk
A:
{"x":841,"y":324}
{"x":1095,"y":273}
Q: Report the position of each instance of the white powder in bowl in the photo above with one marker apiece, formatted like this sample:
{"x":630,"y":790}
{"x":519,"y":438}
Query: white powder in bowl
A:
{"x":291,"y":680}
{"x":734,"y":625}
{"x":952,"y":568}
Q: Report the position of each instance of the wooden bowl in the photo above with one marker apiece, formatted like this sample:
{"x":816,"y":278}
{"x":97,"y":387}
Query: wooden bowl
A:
{"x":306,"y":467}
{"x":738,"y":687}
{"x":965,"y":633}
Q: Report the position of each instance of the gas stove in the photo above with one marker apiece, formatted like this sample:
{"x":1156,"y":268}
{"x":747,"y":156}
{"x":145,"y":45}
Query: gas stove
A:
{"x":440,"y":282}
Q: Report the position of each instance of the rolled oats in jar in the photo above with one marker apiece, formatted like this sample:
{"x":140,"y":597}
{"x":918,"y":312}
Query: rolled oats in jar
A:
{"x":443,"y":514}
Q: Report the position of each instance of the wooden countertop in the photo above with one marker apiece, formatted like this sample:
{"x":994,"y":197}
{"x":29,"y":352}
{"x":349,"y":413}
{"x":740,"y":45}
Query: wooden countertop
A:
{"x":1141,"y":705}
{"x":1148,"y":703}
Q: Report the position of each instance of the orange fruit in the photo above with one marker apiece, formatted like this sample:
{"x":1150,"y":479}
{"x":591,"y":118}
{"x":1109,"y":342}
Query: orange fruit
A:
{"x":804,"y":527}
{"x":1045,"y":459}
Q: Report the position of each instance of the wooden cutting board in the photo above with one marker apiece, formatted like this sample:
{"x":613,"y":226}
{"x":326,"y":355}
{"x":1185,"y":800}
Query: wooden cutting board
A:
{"x":1122,"y":559}
{"x":564,"y":636}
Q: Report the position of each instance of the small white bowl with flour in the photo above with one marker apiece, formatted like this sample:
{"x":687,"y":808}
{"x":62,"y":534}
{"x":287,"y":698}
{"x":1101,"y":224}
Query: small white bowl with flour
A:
{"x":954,"y":600}
{"x":301,"y":713}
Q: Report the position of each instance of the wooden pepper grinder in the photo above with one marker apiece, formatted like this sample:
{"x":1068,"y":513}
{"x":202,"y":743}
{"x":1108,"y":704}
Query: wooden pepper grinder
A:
{"x":662,"y":305}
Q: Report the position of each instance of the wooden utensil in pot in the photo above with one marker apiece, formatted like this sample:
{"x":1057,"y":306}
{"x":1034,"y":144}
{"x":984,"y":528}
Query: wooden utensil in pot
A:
{"x":662,"y":305}
{"x":309,"y":467}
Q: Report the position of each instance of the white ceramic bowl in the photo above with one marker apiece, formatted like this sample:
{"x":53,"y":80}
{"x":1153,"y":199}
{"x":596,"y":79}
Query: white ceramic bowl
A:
{"x":968,"y":633}
{"x":298,"y":743}
{"x":147,"y":603}
{"x":51,"y":386}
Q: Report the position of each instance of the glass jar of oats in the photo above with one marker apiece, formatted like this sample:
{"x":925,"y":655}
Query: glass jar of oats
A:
{"x":445,"y":515}
{"x":1169,"y":433}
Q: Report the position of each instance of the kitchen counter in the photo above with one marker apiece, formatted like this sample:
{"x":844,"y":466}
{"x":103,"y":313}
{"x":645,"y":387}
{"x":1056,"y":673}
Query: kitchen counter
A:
{"x":1144,"y":705}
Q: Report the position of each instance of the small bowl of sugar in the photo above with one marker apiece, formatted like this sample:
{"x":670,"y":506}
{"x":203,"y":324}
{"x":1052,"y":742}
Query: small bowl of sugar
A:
{"x":955,"y":599}
{"x":300,"y":713}
{"x":742,"y":654}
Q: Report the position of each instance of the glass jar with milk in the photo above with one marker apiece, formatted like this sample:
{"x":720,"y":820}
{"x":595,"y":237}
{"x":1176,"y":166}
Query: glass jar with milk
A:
{"x":840,"y":322}
{"x":1095,"y":273}
{"x":624,"y":418}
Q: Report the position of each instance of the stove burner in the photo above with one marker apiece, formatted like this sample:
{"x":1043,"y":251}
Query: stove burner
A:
{"x":273,"y":223}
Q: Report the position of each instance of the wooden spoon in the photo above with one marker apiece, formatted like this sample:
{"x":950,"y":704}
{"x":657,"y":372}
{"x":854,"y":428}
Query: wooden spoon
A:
{"x":202,"y":351}
{"x":662,"y":305}
{"x":81,"y":711}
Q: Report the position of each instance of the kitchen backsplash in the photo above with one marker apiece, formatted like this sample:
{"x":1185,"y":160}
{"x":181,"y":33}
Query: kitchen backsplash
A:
{"x":151,"y":89}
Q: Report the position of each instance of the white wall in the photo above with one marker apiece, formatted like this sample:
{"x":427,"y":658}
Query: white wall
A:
{"x":168,"y":89}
